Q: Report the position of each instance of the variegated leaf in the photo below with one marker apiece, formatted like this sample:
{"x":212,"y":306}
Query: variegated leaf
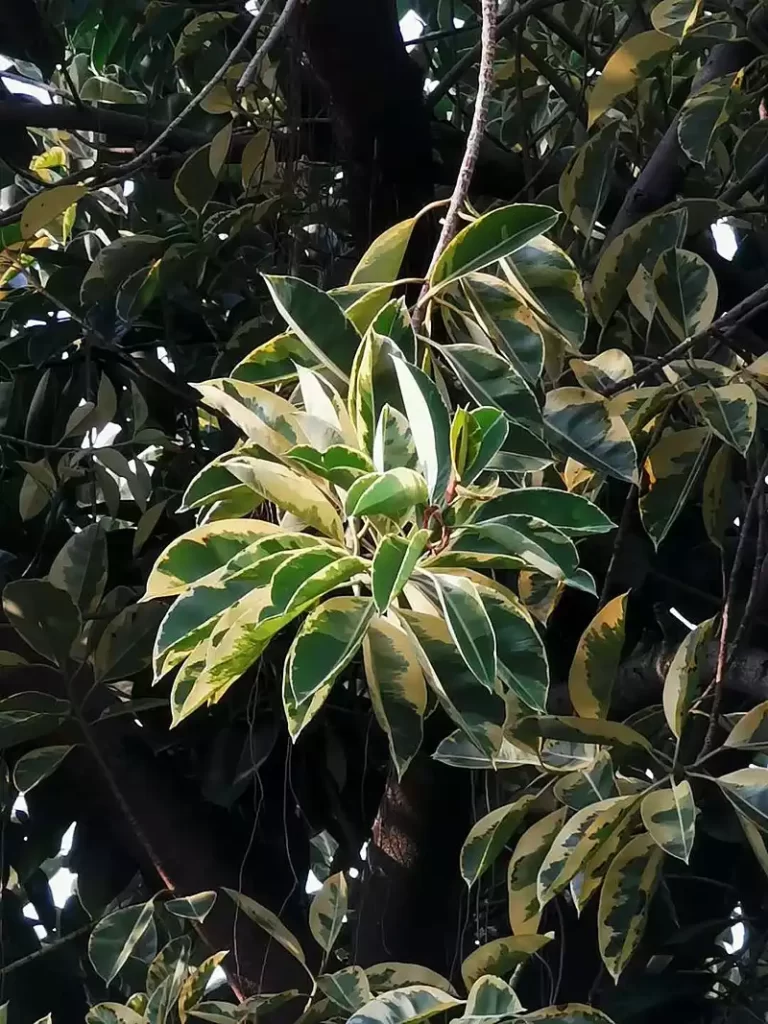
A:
{"x":328,"y":910}
{"x":405,"y":1006}
{"x":596,"y":662}
{"x":393,"y":563}
{"x":586,"y":181}
{"x":686,"y":292}
{"x":348,"y":989}
{"x":670,"y":473}
{"x":751,"y":731}
{"x":586,"y":430}
{"x":747,"y":790}
{"x":730,"y":411}
{"x":669,"y":815}
{"x":633,"y":61}
{"x":523,"y":870}
{"x":501,"y":956}
{"x":683,"y":680}
{"x":488,"y":837}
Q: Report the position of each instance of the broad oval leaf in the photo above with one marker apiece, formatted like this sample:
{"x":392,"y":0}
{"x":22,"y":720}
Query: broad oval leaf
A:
{"x":523,"y":870}
{"x":348,"y":988}
{"x":586,"y":181}
{"x":670,"y":473}
{"x":386,"y":976}
{"x":318,"y":321}
{"x":115,"y":937}
{"x":125,"y":647}
{"x":488,"y":837}
{"x":683,"y":680}
{"x":701,"y":115}
{"x":80,"y":568}
{"x":490,"y":238}
{"x":327,"y":641}
{"x":501,"y":956}
{"x":669,"y":815}
{"x":429,"y":423}
{"x":405,"y":1006}
{"x":192,"y":908}
{"x":580,"y":789}
{"x":393,"y":563}
{"x":570,"y":1013}
{"x":382,"y":259}
{"x":25,"y":716}
{"x":491,"y":997}
{"x":397,"y":689}
{"x":271,"y":924}
{"x":37,"y":765}
{"x":730,"y":411}
{"x":624,"y":901}
{"x":747,"y":790}
{"x":508,"y":322}
{"x":44,"y":616}
{"x":391,"y":494}
{"x":492,"y":381}
{"x":328,"y":910}
{"x":686,"y":292}
{"x":585,"y":429}
{"x":633,"y":61}
{"x":751,"y":731}
{"x":521,"y":660}
{"x":596,"y":662}
{"x":569,"y":513}
{"x":47,"y":205}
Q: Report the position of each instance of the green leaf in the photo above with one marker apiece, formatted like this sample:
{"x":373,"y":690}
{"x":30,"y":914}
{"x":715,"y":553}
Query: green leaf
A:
{"x":393,"y":563}
{"x":193,"y":987}
{"x":271,"y":362}
{"x":328,"y":910}
{"x":391,"y":975}
{"x":202,"y":551}
{"x":640,"y":244}
{"x":751,"y":730}
{"x":195,"y":184}
{"x":580,"y":789}
{"x":113,"y":1013}
{"x":531,"y":541}
{"x":730,"y":411}
{"x":396,"y":687}
{"x":572,"y":729}
{"x":686,"y":292}
{"x":289,"y":491}
{"x":579,"y":838}
{"x":490,"y":238}
{"x":491,"y":380}
{"x":392,"y":494}
{"x":684,"y":676}
{"x":318,"y":321}
{"x":115,"y":937}
{"x":702,"y":114}
{"x":596,"y":662}
{"x":521,"y":661}
{"x":115,"y":263}
{"x":548,"y":281}
{"x":633,"y":61}
{"x":491,"y":997}
{"x":47,"y":205}
{"x":393,"y":444}
{"x":192,"y":908}
{"x":569,"y":513}
{"x":479,"y":713}
{"x":586,"y":430}
{"x":339,"y":464}
{"x":717,"y":497}
{"x":327,"y":641}
{"x":673,"y":16}
{"x":25,"y":716}
{"x":670,"y":473}
{"x":609,"y":367}
{"x":489,"y":836}
{"x":405,"y":1006}
{"x":501,"y":956}
{"x":508,"y":322}
{"x":624,"y":901}
{"x":37,"y":765}
{"x":199,"y":31}
{"x":485,"y":431}
{"x":747,"y":790}
{"x":669,"y":815}
{"x":586,"y":181}
{"x":125,"y":646}
{"x":469,"y":625}
{"x":348,"y":988}
{"x":271,"y":924}
{"x":382,"y":259}
{"x":44,"y":616}
{"x":523,"y":870}
{"x":458,"y":751}
{"x":430,"y":425}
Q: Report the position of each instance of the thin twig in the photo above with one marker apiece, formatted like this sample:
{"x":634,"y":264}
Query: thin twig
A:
{"x":51,"y":947}
{"x":743,"y":309}
{"x":722,"y":648}
{"x":474,"y":140}
{"x":754,"y":585}
{"x":275,"y":32}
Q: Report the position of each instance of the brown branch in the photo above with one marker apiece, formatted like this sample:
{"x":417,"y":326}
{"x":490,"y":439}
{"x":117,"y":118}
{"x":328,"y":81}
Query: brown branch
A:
{"x":723,"y":323}
{"x":51,"y":947}
{"x":474,"y":139}
{"x":274,"y":34}
{"x":722,"y":648}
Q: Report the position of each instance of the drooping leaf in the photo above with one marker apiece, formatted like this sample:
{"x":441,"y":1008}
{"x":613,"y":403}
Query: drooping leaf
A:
{"x":624,"y":901}
{"x":670,"y":473}
{"x":80,"y":568}
{"x":47,"y":205}
{"x":701,"y":115}
{"x":490,"y":238}
{"x":572,"y":729}
{"x":751,"y":731}
{"x":569,"y":513}
{"x":397,"y":688}
{"x":586,"y":181}
{"x":586,"y":430}
{"x":458,"y":751}
{"x":580,"y":789}
{"x":491,"y":999}
{"x":686,"y":292}
{"x":747,"y":790}
{"x":683,"y":680}
{"x":25,"y":716}
{"x":44,"y":616}
{"x":405,"y":1006}
{"x":115,"y":937}
{"x":33,"y":767}
{"x":381,"y":260}
{"x":469,"y":625}
{"x":521,"y":661}
{"x":271,"y":924}
{"x":491,"y":380}
{"x":545,"y":277}
{"x":393,"y":563}
{"x":327,"y":641}
{"x":633,"y":61}
{"x":195,"y":184}
{"x":596,"y":662}
{"x":386,"y":976}
{"x":318,"y":321}
{"x":527,"y":541}
{"x":488,"y":837}
{"x":391,"y":494}
{"x":429,"y":423}
{"x":730,"y":411}
{"x":669,"y":815}
{"x":328,"y":910}
{"x":501,"y":956}
{"x":672,"y":16}
{"x":508,"y":322}
{"x":125,"y":646}
{"x":718,"y":496}
{"x":348,"y":989}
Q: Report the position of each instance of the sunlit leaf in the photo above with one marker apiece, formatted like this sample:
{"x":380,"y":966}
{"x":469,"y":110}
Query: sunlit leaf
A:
{"x":596,"y":662}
